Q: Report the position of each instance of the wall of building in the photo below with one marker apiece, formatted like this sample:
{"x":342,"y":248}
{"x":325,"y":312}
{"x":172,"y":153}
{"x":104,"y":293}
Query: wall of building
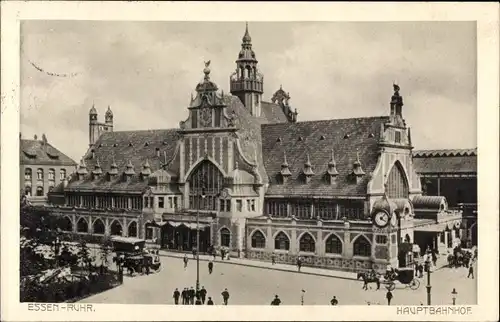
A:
{"x":44,"y":183}
{"x":380,"y":255}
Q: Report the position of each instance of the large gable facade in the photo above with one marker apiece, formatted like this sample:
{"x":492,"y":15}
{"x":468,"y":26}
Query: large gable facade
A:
{"x":259,"y":181}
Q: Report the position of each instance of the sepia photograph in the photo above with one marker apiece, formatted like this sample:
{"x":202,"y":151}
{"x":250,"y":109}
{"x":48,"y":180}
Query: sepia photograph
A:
{"x":247,"y":163}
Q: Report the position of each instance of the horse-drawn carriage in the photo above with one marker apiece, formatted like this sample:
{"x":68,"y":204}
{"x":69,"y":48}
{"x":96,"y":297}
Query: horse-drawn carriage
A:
{"x":403,"y":275}
{"x":132,"y":255}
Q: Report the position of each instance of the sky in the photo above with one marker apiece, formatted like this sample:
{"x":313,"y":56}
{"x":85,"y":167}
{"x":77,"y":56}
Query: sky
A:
{"x":146,"y":72}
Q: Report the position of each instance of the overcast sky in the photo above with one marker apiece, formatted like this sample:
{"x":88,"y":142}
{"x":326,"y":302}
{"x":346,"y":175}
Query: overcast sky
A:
{"x":146,"y":72}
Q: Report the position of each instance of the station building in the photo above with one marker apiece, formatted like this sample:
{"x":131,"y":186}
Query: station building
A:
{"x":342,"y":194}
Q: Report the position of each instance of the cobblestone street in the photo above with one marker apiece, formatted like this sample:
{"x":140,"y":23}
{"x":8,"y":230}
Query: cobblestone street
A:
{"x":254,"y":286}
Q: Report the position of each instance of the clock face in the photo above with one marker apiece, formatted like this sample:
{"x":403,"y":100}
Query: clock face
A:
{"x":381,"y":219}
{"x":394,"y":220}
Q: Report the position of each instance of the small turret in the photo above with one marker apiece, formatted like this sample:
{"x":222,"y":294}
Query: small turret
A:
{"x":285,"y":170}
{"x":357,"y":170}
{"x":332,"y":172}
{"x":146,"y":170}
{"x":308,"y":171}
{"x":97,"y":172}
{"x":108,"y":117}
{"x":82,"y":170}
{"x":113,"y":171}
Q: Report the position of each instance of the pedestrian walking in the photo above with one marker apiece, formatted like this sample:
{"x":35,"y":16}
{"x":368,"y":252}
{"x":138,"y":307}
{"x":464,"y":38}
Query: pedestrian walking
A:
{"x":203,"y":294}
{"x":184,"y":296}
{"x":273,"y":258}
{"x":210,"y":267}
{"x":192,"y":294}
{"x":222,"y":253}
{"x":434,"y":258}
{"x":421,"y":270}
{"x":471,"y":271}
{"x":299,"y":263}
{"x":276,"y":300}
{"x":198,"y":302}
{"x":176,"y":296}
{"x":334,"y":301}
{"x":389,"y":296}
{"x":210,"y":302}
{"x":225,"y":296}
{"x":194,"y":253}
{"x":185,"y":261}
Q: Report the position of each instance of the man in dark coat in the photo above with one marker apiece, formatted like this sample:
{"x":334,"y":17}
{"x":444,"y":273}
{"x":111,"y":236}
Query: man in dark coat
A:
{"x":210,"y":302}
{"x":185,"y":261}
{"x":276,"y":300}
{"x":334,"y":301}
{"x":176,"y":296}
{"x":222,"y":254}
{"x":184,"y":296}
{"x":299,"y":263}
{"x":192,"y":294}
{"x":225,"y":296}
{"x":210,"y":267}
{"x":203,"y":294}
{"x":471,"y":271}
{"x":273,"y":258}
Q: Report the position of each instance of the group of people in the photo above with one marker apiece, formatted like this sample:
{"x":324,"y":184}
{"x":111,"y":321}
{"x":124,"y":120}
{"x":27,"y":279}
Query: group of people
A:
{"x":210,"y":264}
{"x":191,"y":297}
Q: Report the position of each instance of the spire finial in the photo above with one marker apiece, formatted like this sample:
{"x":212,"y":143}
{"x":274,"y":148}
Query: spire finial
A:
{"x":284,"y":159}
{"x":246,"y":38}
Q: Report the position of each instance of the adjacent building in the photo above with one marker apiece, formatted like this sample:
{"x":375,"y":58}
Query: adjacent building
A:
{"x":42,"y":167}
{"x":452,"y":174}
{"x":342,"y":194}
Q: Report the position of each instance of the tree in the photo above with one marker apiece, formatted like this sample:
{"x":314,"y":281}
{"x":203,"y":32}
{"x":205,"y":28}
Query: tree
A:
{"x":83,"y":254}
{"x":106,"y":248}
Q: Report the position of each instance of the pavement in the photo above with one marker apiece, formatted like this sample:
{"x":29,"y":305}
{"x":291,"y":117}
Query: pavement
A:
{"x":441,"y":263}
{"x":256,"y":283}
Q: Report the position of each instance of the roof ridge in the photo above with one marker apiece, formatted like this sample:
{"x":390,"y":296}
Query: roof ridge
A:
{"x":329,"y":120}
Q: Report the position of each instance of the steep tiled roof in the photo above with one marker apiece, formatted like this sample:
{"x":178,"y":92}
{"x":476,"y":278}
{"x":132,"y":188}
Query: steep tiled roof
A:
{"x":40,"y":153}
{"x":345,"y":136}
{"x":444,"y":153}
{"x":123,"y":147}
{"x":273,"y":113}
{"x":249,"y":132}
{"x":445,"y":161}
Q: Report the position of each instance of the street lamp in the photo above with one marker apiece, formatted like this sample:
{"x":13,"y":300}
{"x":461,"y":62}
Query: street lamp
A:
{"x":198,"y":244}
{"x":302,"y":297}
{"x":57,"y":245}
{"x":428,"y":268}
{"x":454,"y":296}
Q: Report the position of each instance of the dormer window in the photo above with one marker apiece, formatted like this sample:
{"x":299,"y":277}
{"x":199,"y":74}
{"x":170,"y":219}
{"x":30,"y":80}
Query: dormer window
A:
{"x":285,"y":171}
{"x":332,"y":172}
{"x":357,"y":170}
{"x":308,"y":172}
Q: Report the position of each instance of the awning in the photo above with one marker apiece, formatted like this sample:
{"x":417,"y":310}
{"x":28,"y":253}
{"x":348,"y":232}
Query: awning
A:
{"x":189,"y":225}
{"x":435,"y":228}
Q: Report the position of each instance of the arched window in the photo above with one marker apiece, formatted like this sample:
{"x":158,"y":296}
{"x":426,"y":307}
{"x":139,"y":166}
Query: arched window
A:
{"x":116,"y":229}
{"x":281,"y":241}
{"x":407,"y":238}
{"x":98,"y":227}
{"x":52,"y":175}
{"x":62,"y":174}
{"x":225,"y":237}
{"x":205,"y":183}
{"x":258,"y":240}
{"x":307,"y":244}
{"x":65,"y":224}
{"x":27,"y":174}
{"x":333,"y":245}
{"x":82,"y":226}
{"x":28,"y":191}
{"x":132,"y":229}
{"x":39,"y":191}
{"x":397,"y":185}
{"x":362,"y":247}
{"x":39,"y":174}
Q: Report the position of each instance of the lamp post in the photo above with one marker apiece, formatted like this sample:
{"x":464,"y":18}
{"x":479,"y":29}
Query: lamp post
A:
{"x":428,"y":267}
{"x":302,"y":297}
{"x":454,"y":296}
{"x":57,"y":245}
{"x":198,"y":244}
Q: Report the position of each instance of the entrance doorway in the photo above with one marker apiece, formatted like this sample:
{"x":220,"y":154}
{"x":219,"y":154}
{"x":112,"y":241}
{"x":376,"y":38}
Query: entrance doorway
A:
{"x":182,"y":237}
